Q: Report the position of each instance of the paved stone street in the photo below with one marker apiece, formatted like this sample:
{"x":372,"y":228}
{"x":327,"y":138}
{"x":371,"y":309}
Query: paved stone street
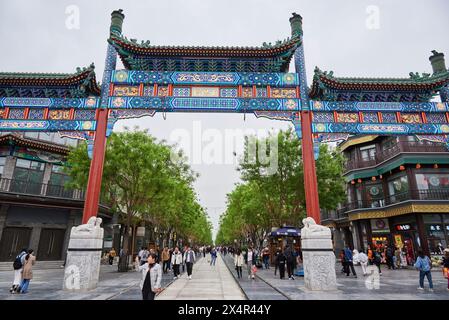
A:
{"x":207,"y":283}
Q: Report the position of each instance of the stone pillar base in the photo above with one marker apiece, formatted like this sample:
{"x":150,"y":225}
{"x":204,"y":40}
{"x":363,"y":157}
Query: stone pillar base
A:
{"x":82,"y":268}
{"x":318,"y":257}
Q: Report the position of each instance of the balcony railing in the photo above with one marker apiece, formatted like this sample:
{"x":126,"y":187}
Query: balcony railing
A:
{"x":431,"y":194}
{"x":39,"y":189}
{"x":389,"y":153}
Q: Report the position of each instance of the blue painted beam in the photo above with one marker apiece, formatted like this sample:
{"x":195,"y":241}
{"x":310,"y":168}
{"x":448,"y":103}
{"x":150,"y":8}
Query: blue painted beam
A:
{"x":381,"y":128}
{"x":52,"y":103}
{"x":205,"y":78}
{"x":46,"y":125}
{"x":354,"y":106}
{"x":173,"y":104}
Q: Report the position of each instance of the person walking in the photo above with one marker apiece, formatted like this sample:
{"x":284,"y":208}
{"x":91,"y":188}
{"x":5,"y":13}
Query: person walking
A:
{"x":266,"y":258}
{"x":377,"y":258}
{"x":397,"y":255}
{"x":424,"y":265}
{"x":446,"y":265}
{"x":18,"y":264}
{"x":290,"y":259}
{"x":176,"y":261}
{"x":276,"y":254}
{"x":363,"y":259}
{"x":250,"y":261}
{"x":389,"y":254}
{"x":27,"y":272}
{"x":280,"y":262}
{"x":213,"y":256}
{"x":165,"y":259}
{"x":143,"y":256}
{"x":151,"y":277}
{"x":238,"y":262}
{"x":111,"y":256}
{"x":204,"y":252}
{"x":349,"y":262}
{"x":189,"y":259}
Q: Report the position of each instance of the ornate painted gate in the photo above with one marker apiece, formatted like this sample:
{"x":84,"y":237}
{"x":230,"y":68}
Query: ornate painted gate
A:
{"x":223,"y":79}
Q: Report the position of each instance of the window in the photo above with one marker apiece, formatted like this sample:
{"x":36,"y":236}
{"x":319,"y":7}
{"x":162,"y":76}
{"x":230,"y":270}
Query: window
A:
{"x":368,"y":152}
{"x":375,"y":195}
{"x":28,"y":176}
{"x":56,"y":184}
{"x":398,"y":188}
{"x":433,"y":186}
{"x":2,"y":165}
{"x":389,"y":143}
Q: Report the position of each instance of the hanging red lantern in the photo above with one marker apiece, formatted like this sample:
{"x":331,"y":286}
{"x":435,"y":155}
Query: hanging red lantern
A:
{"x":402,"y":168}
{"x":418,"y":166}
{"x":352,"y":182}
{"x":359,"y":180}
{"x":435,"y":166}
{"x":373,"y":178}
{"x":380,"y":177}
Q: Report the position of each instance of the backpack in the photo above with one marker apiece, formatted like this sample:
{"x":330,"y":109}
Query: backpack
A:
{"x":17,"y":262}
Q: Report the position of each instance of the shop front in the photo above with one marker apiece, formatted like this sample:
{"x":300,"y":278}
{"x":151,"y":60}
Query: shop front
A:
{"x":283,"y":237}
{"x":380,"y":233}
{"x":406,"y":236}
{"x":436,"y":229}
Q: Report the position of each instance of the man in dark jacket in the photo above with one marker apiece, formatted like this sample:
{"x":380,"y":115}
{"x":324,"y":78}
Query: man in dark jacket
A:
{"x":290,"y":259}
{"x":389,"y":255}
{"x":280,"y":262}
{"x":349,"y":262}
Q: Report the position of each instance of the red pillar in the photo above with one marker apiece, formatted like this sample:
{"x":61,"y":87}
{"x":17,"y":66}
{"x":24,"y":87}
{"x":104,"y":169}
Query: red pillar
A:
{"x":96,"y":167}
{"x":310,"y":179}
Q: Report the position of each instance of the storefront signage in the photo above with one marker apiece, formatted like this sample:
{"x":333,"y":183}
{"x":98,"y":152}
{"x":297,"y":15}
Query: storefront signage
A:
{"x":436,"y":227}
{"x":403,"y":227}
{"x":398,"y":241}
{"x":380,"y":226}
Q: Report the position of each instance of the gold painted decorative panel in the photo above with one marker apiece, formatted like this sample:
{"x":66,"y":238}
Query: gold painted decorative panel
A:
{"x":205,"y":92}
{"x":59,"y":115}
{"x":347,"y":117}
{"x":283,"y":93}
{"x":411,"y":118}
{"x":126,"y":91}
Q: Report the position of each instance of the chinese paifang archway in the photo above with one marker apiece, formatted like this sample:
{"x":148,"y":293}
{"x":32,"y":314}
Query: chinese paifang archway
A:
{"x":223,"y":79}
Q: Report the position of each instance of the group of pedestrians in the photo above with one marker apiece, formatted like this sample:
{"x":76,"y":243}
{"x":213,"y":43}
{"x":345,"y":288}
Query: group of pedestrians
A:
{"x":149,"y":263}
{"x":287,"y":259}
{"x":23,"y":271}
{"x":392,"y":255}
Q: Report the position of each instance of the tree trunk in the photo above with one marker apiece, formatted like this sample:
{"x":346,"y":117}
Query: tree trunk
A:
{"x":123,"y":259}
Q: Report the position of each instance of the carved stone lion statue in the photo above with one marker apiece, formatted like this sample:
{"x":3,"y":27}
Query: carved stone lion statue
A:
{"x":92,"y":226}
{"x":313,"y":230}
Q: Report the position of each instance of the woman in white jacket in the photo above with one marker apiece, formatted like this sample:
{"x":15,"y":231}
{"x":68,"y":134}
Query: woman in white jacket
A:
{"x":176,"y":261}
{"x":151,"y":278}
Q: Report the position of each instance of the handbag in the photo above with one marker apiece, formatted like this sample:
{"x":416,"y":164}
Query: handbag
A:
{"x":254,"y":269}
{"x":445,"y":271}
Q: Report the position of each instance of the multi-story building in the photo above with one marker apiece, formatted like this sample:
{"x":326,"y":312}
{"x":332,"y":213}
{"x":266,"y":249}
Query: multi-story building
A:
{"x":397,"y":187}
{"x":397,"y":193}
{"x":37,"y":210}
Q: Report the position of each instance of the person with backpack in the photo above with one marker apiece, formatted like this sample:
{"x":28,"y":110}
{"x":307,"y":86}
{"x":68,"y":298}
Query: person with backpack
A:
{"x":213,"y":256}
{"x":27,"y":272}
{"x":19,"y":261}
{"x":290,"y":259}
{"x":424,"y":265}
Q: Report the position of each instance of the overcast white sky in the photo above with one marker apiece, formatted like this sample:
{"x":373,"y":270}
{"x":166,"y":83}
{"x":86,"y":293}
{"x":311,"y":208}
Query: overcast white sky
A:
{"x":340,"y":35}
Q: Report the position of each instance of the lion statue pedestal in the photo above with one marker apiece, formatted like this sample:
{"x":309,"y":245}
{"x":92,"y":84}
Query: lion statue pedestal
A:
{"x":318,"y":257}
{"x":82,"y":268}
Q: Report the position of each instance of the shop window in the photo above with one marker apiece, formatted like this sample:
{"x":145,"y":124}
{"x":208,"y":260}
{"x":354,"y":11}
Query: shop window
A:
{"x":398,"y":188}
{"x":58,"y":180}
{"x":433,"y":185}
{"x":368,"y":152}
{"x":433,"y":224}
{"x":389,"y":143}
